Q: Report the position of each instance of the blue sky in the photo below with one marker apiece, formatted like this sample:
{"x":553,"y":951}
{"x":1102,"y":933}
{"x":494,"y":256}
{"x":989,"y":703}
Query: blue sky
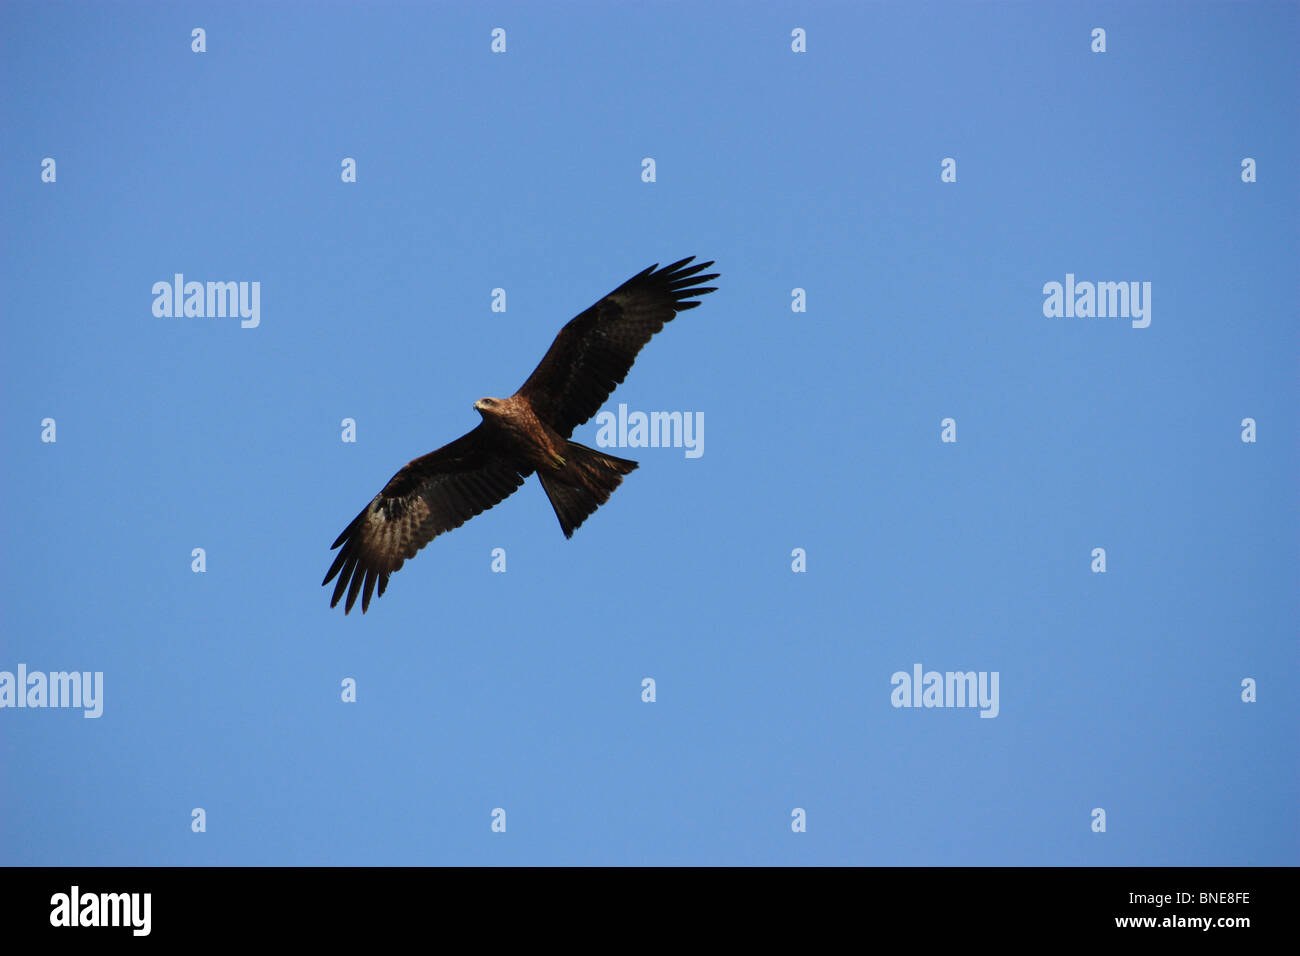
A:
{"x":522,"y":170}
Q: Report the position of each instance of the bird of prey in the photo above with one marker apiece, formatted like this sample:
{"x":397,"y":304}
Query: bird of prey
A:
{"x":527,"y":432}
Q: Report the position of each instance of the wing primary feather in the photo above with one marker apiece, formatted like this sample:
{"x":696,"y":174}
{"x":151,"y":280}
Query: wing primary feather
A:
{"x":684,"y":274}
{"x":357,"y":578}
{"x":370,"y":589}
{"x":334,"y":568}
{"x":344,"y":576}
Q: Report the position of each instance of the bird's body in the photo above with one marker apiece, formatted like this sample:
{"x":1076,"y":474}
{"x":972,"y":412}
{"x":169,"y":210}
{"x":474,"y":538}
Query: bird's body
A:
{"x":514,"y":424}
{"x":525,"y":433}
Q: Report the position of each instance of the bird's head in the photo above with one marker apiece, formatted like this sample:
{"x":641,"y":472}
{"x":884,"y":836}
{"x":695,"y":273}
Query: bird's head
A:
{"x":487,"y":406}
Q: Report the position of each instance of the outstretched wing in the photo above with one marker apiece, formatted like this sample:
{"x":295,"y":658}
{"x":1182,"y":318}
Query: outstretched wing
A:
{"x":435,"y":493}
{"x":592,"y":354}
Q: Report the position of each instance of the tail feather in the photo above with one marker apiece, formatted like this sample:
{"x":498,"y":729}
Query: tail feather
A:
{"x":588,"y":479}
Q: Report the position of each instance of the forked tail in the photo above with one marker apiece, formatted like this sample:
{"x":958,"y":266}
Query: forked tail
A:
{"x":585,"y":483}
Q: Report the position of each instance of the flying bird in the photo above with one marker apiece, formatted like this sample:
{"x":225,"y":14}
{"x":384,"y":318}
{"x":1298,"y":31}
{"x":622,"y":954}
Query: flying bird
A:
{"x":527,"y":432}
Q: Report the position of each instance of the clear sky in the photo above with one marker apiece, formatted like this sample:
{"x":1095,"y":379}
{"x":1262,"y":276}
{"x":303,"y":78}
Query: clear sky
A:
{"x":820,"y":170}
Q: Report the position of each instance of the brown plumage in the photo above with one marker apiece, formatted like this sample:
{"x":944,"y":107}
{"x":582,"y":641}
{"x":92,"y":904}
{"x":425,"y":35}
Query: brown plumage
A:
{"x":527,"y":432}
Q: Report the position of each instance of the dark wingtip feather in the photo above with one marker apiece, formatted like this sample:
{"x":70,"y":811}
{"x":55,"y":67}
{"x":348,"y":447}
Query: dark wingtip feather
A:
{"x":357,"y":578}
{"x":334,"y":568}
{"x":348,"y":566}
{"x":687,"y":276}
{"x":346,"y":532}
{"x":369,"y":590}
